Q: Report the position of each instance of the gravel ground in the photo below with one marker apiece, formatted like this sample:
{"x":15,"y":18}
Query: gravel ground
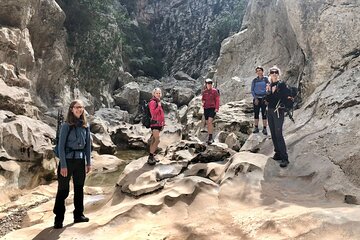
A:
{"x":14,"y":218}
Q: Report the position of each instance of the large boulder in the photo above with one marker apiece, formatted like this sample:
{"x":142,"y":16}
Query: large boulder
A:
{"x":128,"y":97}
{"x":111,"y":116}
{"x":180,"y":75}
{"x":23,"y":138}
{"x":28,"y":142}
{"x":182,"y":96}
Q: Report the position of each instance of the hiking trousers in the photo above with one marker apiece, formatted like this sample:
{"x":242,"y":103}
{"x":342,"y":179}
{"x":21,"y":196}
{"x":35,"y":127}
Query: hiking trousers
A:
{"x":76,"y":170}
{"x":276,"y":128}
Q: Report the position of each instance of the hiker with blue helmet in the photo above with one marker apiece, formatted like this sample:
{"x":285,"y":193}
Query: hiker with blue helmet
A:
{"x":74,"y":149}
{"x":157,"y":124}
{"x":258,"y":91}
{"x":276,"y":93}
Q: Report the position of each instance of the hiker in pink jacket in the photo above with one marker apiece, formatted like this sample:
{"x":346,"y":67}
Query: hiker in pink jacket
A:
{"x":157,"y":123}
{"x":211,"y":103}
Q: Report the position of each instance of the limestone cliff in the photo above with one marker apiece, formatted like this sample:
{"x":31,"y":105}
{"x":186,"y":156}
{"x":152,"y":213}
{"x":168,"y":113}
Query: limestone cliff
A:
{"x":33,"y":55}
{"x":316,"y":46}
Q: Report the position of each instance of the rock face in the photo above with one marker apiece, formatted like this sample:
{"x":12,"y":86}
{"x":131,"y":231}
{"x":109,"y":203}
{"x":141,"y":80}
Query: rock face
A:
{"x":303,"y":39}
{"x":266,"y":38}
{"x":33,"y":50}
{"x":188,"y":32}
{"x":34,"y":64}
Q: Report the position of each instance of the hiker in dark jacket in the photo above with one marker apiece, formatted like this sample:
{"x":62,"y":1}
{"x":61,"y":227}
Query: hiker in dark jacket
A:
{"x":157,"y":123}
{"x":276,"y":93}
{"x":74,"y":152}
{"x":211,"y":103}
{"x":258,"y":91}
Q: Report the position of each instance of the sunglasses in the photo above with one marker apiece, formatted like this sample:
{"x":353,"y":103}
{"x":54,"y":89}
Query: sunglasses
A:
{"x":209,"y":83}
{"x":78,"y":107}
{"x":274,"y":72}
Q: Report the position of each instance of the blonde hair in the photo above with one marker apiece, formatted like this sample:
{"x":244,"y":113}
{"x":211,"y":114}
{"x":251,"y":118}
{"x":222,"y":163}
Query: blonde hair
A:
{"x":71,"y":119}
{"x":155,"y":90}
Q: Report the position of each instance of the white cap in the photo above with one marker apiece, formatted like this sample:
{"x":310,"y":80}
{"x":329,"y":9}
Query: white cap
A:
{"x":208,"y":80}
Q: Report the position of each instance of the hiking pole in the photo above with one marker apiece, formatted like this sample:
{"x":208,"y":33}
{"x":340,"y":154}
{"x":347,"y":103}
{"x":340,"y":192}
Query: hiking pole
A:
{"x":60,"y":119}
{"x":290,"y":114}
{"x":277,"y":107}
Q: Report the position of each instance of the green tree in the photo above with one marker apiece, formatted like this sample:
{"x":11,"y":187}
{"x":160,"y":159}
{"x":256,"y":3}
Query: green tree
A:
{"x":225,"y":24}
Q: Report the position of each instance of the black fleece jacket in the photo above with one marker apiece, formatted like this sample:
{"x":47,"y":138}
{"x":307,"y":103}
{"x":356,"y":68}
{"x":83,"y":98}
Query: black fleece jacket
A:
{"x":280,"y":94}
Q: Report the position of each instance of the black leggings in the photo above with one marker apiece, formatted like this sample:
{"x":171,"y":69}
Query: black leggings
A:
{"x":261,"y":105}
{"x":76,"y":170}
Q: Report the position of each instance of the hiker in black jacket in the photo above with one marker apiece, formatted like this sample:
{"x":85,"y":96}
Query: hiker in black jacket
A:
{"x":276,"y":93}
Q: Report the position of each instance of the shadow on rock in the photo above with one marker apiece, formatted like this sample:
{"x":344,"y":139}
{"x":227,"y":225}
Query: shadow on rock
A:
{"x":50,"y":233}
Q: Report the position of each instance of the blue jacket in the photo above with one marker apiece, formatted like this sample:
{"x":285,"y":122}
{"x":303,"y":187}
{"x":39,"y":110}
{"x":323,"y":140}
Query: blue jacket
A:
{"x":74,"y":143}
{"x":258,"y":87}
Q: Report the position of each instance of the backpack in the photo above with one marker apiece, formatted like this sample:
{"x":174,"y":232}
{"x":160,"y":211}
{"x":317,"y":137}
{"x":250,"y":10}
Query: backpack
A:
{"x":60,"y":120}
{"x":290,"y":102}
{"x":291,"y":93}
{"x":146,"y":118}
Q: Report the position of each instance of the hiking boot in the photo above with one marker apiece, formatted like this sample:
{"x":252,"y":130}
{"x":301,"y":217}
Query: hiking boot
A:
{"x":210,"y":141}
{"x":151,"y":160}
{"x":81,"y":219}
{"x":156,"y":160}
{"x":264,"y":131}
{"x":284,"y":163}
{"x":58,"y":225}
{"x":256,"y":130}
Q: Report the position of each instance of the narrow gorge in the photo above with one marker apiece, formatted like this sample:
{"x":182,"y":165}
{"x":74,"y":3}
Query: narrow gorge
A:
{"x":111,"y":54}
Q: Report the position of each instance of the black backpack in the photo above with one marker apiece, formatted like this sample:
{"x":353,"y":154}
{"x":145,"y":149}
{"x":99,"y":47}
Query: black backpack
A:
{"x":146,"y":118}
{"x":289,"y":102}
{"x":60,"y":120}
{"x":291,"y":93}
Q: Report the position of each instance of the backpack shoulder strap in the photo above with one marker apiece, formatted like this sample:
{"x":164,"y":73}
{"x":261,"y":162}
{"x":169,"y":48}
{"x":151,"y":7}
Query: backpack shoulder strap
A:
{"x":68,"y":132}
{"x":155,"y":102}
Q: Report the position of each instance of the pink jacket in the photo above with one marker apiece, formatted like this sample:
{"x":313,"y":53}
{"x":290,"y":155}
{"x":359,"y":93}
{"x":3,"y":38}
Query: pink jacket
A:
{"x":157,"y":113}
{"x":211,"y":99}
